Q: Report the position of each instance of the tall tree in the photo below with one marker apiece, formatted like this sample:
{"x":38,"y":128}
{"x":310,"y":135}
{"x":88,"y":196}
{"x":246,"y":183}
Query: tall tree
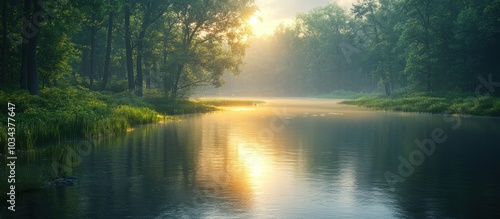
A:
{"x":3,"y":73}
{"x":418,"y":36}
{"x":325,"y":33}
{"x":128,"y":47}
{"x":109,"y":41}
{"x":152,"y":10}
{"x":212,"y":38}
{"x":29,"y":70}
{"x":377,"y":31}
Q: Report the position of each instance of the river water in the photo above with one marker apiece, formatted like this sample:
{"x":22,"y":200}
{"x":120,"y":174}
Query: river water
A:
{"x":287,"y":158}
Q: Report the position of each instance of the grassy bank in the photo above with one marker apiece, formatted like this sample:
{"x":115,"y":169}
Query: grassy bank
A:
{"x":62,"y":114}
{"x":56,"y":115}
{"x":455,"y":103}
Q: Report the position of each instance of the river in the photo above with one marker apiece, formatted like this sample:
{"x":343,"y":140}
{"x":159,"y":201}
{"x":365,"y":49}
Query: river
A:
{"x":287,"y":158}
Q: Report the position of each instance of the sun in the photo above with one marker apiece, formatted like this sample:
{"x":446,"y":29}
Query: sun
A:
{"x":258,"y":23}
{"x":254,"y":21}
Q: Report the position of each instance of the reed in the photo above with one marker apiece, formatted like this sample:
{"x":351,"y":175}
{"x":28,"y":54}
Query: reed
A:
{"x":58,"y":114}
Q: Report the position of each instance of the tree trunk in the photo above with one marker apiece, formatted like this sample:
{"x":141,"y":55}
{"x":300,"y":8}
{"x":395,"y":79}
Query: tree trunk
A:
{"x":4,"y":42}
{"x":177,"y":78}
{"x":139,"y":63}
{"x":23,"y":80}
{"x":148,"y":76}
{"x":85,"y":62}
{"x":428,"y":76}
{"x":140,"y":46}
{"x":92,"y":52}
{"x":387,"y":87}
{"x":128,"y":49}
{"x":32,"y":67}
{"x":107,"y":61}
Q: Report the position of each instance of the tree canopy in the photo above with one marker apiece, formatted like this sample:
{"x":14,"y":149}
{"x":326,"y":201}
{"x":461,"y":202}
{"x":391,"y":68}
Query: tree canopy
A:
{"x":176,"y":46}
{"x":170,"y":45}
{"x":380,"y":45}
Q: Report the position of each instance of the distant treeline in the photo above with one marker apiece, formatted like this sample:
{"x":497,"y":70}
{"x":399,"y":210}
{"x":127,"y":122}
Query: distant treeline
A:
{"x":381,"y":45}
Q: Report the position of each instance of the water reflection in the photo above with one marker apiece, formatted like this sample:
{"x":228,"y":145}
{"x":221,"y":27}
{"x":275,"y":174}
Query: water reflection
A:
{"x":330,"y":165}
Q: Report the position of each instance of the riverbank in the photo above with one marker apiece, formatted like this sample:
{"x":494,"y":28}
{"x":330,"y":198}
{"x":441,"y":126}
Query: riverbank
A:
{"x":58,"y":115}
{"x":62,"y":114}
{"x":454,"y":103}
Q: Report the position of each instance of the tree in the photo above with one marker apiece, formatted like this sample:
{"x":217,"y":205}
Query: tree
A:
{"x":476,"y":42}
{"x":380,"y":38}
{"x":211,"y":39}
{"x":151,"y":10}
{"x":325,"y":31}
{"x":109,"y":41}
{"x":419,"y":37}
{"x":3,"y":74}
{"x":31,"y":28}
{"x":128,"y":46}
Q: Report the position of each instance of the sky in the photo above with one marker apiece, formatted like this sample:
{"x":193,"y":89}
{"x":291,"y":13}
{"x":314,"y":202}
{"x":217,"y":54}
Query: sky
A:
{"x":274,"y":12}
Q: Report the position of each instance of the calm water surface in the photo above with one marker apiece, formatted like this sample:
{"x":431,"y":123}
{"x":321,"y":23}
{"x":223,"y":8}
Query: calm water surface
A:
{"x":288,"y":158}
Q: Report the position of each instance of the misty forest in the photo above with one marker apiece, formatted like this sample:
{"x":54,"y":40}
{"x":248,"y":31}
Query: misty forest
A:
{"x":183,"y":108}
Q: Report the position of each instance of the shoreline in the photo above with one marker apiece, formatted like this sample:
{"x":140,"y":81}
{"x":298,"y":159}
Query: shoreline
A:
{"x":79,"y":115}
{"x":435,"y":103}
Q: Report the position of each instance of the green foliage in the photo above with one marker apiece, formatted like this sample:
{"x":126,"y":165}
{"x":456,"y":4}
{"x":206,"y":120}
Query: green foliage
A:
{"x":456,"y":103}
{"x":214,"y":42}
{"x":117,"y":86}
{"x":62,"y":114}
{"x":136,"y":115}
{"x":58,"y":114}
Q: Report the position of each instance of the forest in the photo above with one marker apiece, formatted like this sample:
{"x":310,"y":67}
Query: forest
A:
{"x":173,"y":47}
{"x":91,"y":90}
{"x":94,"y":67}
{"x":382,"y":46}
{"x":117,"y":46}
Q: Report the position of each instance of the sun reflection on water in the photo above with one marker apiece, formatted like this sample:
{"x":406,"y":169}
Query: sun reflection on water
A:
{"x":253,"y":162}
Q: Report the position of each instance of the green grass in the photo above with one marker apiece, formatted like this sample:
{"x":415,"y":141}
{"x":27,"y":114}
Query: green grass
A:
{"x":58,"y":114}
{"x":342,"y":94}
{"x":455,"y":103}
{"x":189,"y":106}
{"x":61,"y":114}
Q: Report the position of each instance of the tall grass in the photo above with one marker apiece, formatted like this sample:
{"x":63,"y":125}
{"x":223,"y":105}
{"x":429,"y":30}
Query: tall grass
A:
{"x":61,"y":114}
{"x":58,"y":114}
